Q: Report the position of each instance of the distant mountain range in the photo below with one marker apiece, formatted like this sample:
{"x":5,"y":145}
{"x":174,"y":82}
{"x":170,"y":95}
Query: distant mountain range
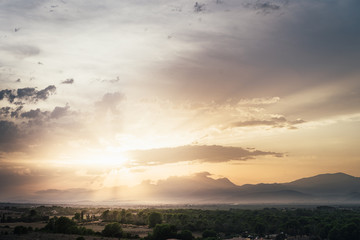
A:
{"x":334,"y":188}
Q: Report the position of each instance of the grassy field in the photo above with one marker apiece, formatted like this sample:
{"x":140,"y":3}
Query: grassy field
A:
{"x":142,"y":231}
{"x":34,"y":225}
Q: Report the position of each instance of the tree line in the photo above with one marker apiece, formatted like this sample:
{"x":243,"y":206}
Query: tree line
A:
{"x":316,"y":223}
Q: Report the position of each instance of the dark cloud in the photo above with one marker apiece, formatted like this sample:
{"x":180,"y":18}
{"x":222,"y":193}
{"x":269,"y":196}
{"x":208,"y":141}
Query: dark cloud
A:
{"x":45,"y":93}
{"x":199,"y":7}
{"x":10,"y":137}
{"x":202,"y":153}
{"x":28,"y":94}
{"x":264,"y":6}
{"x":16,"y":112}
{"x":34,"y":114}
{"x":68,"y":81}
{"x":7,"y":94}
{"x":59,"y":112}
{"x":17,"y":137}
{"x":5,"y":111}
{"x":29,"y":127}
{"x":16,"y":179}
{"x":278,"y":122}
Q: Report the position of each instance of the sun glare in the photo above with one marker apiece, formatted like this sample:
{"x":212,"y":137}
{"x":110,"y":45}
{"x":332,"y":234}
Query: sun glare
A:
{"x":95,"y":159}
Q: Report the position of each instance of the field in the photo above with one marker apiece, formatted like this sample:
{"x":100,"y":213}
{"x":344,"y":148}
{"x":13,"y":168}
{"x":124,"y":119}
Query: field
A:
{"x":49,"y":236}
{"x":92,"y":223}
{"x":141,"y":231}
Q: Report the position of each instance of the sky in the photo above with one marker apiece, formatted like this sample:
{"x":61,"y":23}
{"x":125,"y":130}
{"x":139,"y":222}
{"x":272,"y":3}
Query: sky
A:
{"x":97,"y":94}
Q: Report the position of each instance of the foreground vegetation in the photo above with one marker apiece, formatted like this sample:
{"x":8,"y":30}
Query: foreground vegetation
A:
{"x":186,"y":224}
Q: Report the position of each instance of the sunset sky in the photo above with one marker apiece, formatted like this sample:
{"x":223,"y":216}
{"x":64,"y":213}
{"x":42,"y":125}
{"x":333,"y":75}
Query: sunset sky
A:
{"x":95,"y":94}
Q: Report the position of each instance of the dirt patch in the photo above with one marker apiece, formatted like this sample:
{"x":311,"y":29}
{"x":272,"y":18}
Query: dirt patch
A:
{"x":142,"y":231}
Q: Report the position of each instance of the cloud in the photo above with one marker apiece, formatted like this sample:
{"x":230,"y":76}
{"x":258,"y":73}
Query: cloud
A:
{"x":5,"y":111}
{"x":16,"y":180}
{"x":259,"y":101}
{"x":6,"y":93}
{"x":45,"y":93}
{"x":264,"y":6}
{"x":277,"y":122}
{"x":22,"y":50}
{"x":204,"y":153}
{"x":56,"y":113}
{"x":10,"y":181}
{"x":10,"y":137}
{"x":59,"y":112}
{"x":28,"y":94}
{"x":199,"y":7}
{"x":65,"y":195}
{"x":35,"y":127}
{"x":68,"y":81}
{"x":110,"y":102}
{"x":33,"y":114}
{"x":244,"y":54}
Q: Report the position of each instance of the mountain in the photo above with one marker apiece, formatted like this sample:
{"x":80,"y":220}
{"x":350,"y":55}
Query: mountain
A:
{"x":201,"y":188}
{"x":337,"y":183}
{"x":324,"y":188}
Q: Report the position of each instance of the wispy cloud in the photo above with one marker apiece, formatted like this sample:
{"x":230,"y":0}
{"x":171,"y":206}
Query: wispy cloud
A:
{"x":68,"y":81}
{"x":277,"y":122}
{"x":202,"y":153}
{"x":110,"y":102}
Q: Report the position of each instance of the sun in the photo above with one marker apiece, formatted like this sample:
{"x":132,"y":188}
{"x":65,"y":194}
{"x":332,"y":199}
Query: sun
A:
{"x":107,"y":160}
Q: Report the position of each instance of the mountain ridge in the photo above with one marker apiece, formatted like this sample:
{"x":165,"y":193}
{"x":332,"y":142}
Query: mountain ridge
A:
{"x":201,"y":188}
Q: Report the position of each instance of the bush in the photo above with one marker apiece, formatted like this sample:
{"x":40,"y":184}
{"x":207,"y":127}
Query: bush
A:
{"x":185,"y":235}
{"x":154,"y":218}
{"x":22,"y":230}
{"x":112,"y":230}
{"x":209,"y":234}
{"x":67,"y":226}
{"x":164,"y":231}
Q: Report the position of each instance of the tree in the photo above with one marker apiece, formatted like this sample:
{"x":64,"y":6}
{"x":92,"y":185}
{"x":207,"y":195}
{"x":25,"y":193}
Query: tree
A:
{"x":185,"y":235}
{"x":22,"y":230}
{"x":209,"y":234}
{"x":61,"y":225}
{"x":65,"y":225}
{"x":82,"y":215}
{"x":33,"y":213}
{"x":105,"y":215}
{"x":164,"y":231}
{"x":154,"y":218}
{"x":112,"y":230}
{"x":77,"y":217}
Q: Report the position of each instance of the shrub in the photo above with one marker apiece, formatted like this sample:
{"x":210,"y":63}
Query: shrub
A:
{"x":112,"y":230}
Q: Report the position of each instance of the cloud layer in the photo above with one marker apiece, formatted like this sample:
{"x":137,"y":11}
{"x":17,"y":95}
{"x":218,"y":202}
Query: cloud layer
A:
{"x":211,"y":154}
